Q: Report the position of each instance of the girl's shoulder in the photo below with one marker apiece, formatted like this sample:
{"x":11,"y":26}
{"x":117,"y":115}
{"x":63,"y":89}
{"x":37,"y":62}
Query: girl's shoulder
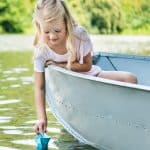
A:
{"x":80,"y":32}
{"x":40,"y":50}
{"x":41,"y":46}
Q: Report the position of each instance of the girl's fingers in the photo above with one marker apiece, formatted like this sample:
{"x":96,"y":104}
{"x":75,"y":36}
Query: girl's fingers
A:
{"x":45,"y":128}
{"x":40,"y":128}
{"x":49,"y":62}
{"x":36,"y":129}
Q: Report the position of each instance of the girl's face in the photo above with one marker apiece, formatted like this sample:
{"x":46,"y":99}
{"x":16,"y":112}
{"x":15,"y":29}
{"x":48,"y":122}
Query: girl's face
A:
{"x":54,"y":33}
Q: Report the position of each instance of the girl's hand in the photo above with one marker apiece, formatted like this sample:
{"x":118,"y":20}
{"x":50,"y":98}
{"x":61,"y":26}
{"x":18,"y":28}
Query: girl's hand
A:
{"x":63,"y":65}
{"x":40,"y":126}
{"x":49,"y":62}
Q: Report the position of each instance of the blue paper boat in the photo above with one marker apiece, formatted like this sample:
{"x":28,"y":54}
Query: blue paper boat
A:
{"x":42,"y":141}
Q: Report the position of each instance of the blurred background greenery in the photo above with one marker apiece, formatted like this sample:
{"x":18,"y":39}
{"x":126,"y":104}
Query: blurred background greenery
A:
{"x":98,"y":16}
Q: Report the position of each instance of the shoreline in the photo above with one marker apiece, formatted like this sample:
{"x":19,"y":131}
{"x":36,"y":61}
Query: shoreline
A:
{"x":106,"y":43}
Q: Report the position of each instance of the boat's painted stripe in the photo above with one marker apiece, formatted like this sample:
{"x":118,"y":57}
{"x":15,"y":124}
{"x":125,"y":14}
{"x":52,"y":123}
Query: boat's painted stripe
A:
{"x":98,"y":79}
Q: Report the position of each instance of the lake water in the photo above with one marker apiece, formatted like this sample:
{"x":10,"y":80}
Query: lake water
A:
{"x":17,"y":111}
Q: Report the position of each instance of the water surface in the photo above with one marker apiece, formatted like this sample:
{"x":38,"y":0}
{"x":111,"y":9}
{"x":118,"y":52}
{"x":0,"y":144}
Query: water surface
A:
{"x":17,"y":111}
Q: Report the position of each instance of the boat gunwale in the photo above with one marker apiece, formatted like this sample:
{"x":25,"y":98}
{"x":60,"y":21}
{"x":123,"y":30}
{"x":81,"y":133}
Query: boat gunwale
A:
{"x":125,"y":56}
{"x":106,"y":81}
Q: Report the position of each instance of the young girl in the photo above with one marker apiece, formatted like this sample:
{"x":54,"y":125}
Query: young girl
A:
{"x":60,"y":41}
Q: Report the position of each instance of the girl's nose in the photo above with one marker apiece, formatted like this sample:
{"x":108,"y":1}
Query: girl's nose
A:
{"x":52,"y":35}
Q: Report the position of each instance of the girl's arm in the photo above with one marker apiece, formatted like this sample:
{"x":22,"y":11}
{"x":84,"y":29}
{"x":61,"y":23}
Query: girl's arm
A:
{"x":41,"y":125}
{"x":86,"y":66}
{"x":75,"y":66}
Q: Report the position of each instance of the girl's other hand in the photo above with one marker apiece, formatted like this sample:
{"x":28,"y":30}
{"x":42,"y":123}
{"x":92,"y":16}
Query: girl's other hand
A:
{"x":49,"y":62}
{"x":40,"y":126}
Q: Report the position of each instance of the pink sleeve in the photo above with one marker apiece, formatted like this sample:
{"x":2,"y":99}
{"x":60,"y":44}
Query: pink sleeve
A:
{"x":40,"y":55}
{"x":85,"y":46}
{"x":38,"y":60}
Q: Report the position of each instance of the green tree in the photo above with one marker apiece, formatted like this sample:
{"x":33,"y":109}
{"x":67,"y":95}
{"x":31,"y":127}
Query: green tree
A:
{"x":137,"y":14}
{"x":15,"y":15}
{"x":99,"y":16}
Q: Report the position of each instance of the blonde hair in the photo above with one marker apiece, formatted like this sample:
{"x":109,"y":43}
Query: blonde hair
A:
{"x":48,"y":10}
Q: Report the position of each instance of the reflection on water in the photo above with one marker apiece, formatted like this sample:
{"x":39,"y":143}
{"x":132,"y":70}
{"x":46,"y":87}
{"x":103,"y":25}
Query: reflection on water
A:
{"x":19,"y":70}
{"x":11,"y":79}
{"x":54,"y":130}
{"x":17,"y":111}
{"x":2,"y":96}
{"x":15,"y":127}
{"x":3,"y":80}
{"x":2,"y":109}
{"x":4,"y":119}
{"x":7,"y":72}
{"x":27,"y":79}
{"x":7,"y":148}
{"x":15,"y":70}
{"x":30,"y":122}
{"x":51,"y":144}
{"x":9,"y":101}
{"x":15,"y":85}
{"x":32,"y":133}
{"x":4,"y":88}
{"x":12,"y":132}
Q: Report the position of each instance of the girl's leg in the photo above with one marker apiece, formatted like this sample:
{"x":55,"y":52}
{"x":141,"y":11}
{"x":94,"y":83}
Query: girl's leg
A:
{"x":119,"y":76}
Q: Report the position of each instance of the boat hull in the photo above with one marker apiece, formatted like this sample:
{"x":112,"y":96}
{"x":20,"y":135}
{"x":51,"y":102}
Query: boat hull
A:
{"x":107,"y":114}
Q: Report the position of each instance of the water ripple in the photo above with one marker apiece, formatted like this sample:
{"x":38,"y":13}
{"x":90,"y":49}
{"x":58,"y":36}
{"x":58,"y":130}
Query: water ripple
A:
{"x":15,"y":127}
{"x":13,"y":132}
{"x":15,"y":70}
{"x":15,"y":86}
{"x":32,"y":142}
{"x":4,"y":109}
{"x":4,"y":119}
{"x":7,"y":148}
{"x":11,"y":79}
{"x":9,"y":101}
{"x":2,"y":96}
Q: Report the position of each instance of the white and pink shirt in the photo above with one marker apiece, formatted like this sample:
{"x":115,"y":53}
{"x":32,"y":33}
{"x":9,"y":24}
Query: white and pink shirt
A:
{"x":82,"y":45}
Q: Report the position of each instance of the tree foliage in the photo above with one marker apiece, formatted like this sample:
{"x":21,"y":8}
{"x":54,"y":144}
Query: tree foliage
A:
{"x":102,"y":16}
{"x":137,"y":14}
{"x":15,"y":15}
{"x":98,"y":16}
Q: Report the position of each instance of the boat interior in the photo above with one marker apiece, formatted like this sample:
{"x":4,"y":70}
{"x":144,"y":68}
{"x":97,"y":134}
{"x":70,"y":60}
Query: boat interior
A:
{"x":139,"y":65}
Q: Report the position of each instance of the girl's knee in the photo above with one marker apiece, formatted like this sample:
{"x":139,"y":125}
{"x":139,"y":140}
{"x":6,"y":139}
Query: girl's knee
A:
{"x":131,"y":78}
